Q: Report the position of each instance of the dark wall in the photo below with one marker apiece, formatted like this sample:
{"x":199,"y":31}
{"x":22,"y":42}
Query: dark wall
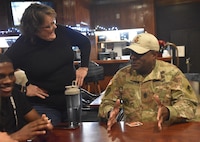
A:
{"x":69,"y":12}
{"x":125,"y":15}
{"x":5,"y":15}
{"x":180,"y":24}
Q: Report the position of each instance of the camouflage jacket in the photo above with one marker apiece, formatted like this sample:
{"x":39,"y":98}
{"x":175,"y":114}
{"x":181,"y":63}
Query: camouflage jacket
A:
{"x":165,"y":80}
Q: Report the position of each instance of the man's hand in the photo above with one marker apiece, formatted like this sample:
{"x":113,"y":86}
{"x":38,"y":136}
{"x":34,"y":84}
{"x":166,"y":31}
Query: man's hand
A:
{"x":113,"y":114}
{"x":33,"y":129}
{"x":163,"y":112}
{"x":33,"y":90}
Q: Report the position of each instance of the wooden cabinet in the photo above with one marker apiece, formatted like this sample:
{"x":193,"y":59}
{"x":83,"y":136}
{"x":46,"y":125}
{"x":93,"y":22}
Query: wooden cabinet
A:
{"x":72,"y":12}
{"x":135,"y":14}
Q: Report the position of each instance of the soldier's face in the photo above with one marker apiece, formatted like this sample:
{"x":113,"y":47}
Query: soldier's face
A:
{"x":143,"y":63}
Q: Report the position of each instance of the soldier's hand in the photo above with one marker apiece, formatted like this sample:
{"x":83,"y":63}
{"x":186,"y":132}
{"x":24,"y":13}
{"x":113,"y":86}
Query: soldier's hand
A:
{"x":163,"y":112}
{"x":113,"y":114}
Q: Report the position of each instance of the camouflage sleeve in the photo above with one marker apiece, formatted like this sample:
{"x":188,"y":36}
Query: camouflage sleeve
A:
{"x":184,"y":99}
{"x":111,"y":95}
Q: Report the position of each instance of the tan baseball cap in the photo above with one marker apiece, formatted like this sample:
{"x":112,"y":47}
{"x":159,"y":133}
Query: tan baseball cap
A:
{"x":144,"y":42}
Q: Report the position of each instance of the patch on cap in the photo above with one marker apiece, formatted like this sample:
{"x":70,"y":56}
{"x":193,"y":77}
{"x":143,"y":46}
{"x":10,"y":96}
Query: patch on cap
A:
{"x":144,"y":42}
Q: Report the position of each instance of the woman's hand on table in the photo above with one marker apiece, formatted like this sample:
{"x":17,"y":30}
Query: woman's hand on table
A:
{"x":81,"y":73}
{"x":33,"y":90}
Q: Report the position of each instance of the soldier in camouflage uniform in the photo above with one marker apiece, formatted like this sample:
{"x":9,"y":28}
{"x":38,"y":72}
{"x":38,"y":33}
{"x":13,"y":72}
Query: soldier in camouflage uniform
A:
{"x":148,"y":89}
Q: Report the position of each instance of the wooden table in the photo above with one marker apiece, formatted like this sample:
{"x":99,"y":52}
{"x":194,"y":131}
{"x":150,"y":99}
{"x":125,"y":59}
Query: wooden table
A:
{"x":96,"y":132}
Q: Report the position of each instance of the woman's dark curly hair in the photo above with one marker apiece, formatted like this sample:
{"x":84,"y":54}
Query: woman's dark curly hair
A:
{"x":33,"y":18}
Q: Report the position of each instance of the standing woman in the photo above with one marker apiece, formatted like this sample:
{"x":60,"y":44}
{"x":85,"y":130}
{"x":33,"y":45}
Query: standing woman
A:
{"x":44,"y":52}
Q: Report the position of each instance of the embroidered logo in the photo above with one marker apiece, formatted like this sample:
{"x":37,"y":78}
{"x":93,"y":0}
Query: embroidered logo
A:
{"x":136,"y":40}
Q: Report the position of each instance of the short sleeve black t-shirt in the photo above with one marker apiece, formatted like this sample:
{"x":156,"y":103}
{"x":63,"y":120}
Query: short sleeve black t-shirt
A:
{"x":7,"y":117}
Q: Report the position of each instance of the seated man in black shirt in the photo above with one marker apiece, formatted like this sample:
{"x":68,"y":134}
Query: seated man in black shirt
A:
{"x":17,"y":117}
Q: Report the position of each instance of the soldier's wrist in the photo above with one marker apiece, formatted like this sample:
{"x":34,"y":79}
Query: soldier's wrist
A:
{"x":108,"y":114}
